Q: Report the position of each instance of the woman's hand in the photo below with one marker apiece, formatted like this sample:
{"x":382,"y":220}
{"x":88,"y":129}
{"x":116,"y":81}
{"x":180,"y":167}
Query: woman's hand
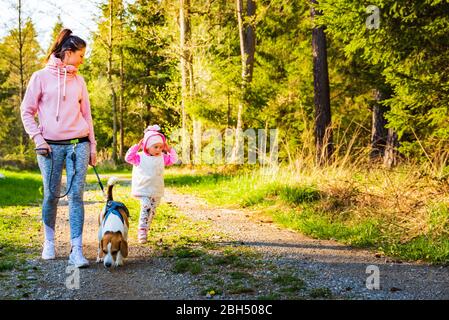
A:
{"x":43,"y":149}
{"x":93,"y":159}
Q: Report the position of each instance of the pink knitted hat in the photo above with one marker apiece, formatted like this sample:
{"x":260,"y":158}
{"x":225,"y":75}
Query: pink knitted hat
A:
{"x":152,"y":136}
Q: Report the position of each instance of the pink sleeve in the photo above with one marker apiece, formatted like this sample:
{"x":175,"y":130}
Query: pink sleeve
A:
{"x":132,"y":157}
{"x":28,"y":109}
{"x":86,"y":112}
{"x":171,"y":157}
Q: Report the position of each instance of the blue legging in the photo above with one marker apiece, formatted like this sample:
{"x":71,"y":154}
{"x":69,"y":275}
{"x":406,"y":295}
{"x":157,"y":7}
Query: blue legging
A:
{"x":61,"y":154}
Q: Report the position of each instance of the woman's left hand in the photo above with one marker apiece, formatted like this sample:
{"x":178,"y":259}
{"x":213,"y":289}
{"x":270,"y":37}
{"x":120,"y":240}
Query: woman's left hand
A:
{"x":93,"y":159}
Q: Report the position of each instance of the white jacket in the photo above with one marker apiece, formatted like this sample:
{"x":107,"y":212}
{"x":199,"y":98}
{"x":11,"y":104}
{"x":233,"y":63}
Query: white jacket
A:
{"x":148,"y":176}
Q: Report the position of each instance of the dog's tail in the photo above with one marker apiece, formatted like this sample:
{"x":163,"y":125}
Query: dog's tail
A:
{"x":111,"y":182}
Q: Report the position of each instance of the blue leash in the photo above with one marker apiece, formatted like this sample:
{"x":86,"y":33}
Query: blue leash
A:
{"x":98,"y":178}
{"x":73,"y":157}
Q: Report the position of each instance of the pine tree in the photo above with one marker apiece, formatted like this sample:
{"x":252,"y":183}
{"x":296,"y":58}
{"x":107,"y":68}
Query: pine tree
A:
{"x":408,"y":46}
{"x":19,"y":58}
{"x":56,"y":30}
{"x":323,"y":132}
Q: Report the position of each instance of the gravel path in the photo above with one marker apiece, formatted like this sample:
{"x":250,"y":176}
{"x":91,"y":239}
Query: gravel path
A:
{"x":322,"y":264}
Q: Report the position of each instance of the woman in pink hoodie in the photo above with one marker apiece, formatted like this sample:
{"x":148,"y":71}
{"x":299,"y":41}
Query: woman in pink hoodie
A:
{"x":65,"y":134}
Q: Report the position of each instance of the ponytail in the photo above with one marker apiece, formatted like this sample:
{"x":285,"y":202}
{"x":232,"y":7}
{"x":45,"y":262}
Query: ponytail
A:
{"x":65,"y":42}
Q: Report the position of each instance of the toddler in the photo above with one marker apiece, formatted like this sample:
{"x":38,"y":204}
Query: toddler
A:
{"x":147,"y":174}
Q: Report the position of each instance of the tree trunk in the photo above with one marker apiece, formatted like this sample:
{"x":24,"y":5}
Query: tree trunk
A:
{"x":113,"y":94}
{"x":24,"y":136}
{"x":247,"y":34}
{"x":391,"y":149}
{"x":186,"y":71}
{"x":147,"y":112}
{"x":122,"y":89}
{"x":323,"y":132}
{"x":378,"y":131}
{"x":228,"y":115}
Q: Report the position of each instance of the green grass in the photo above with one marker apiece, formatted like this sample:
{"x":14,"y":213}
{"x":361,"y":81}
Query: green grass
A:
{"x":187,"y":252}
{"x":272,"y":296}
{"x":299,"y":204}
{"x":366,"y":233}
{"x":20,"y":188}
{"x":20,"y":194}
{"x":421,"y":248}
{"x":246,"y":190}
{"x":239,"y":275}
{"x":185,"y":265}
{"x":320,"y":293}
{"x":289,"y":282}
{"x":321,"y":225}
{"x":239,"y":287}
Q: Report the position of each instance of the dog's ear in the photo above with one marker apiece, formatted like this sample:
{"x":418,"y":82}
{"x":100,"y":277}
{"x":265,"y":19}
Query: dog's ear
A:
{"x":105,"y":240}
{"x":124,"y":248}
{"x":101,"y":245}
{"x":100,"y":250}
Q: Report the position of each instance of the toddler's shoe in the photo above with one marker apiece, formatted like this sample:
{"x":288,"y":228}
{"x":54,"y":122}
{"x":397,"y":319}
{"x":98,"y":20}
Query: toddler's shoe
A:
{"x":142,"y":235}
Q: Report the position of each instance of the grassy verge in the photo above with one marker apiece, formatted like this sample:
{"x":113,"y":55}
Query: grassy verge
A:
{"x":397,"y":213}
{"x":20,"y":194}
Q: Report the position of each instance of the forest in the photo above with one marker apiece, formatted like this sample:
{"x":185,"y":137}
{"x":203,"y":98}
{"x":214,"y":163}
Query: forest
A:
{"x":338,"y":79}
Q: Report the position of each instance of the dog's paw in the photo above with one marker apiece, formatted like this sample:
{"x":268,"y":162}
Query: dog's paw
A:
{"x":119,"y":263}
{"x":99,"y":260}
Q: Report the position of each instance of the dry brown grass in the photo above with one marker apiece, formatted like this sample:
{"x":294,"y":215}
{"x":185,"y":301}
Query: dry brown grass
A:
{"x":402,"y":198}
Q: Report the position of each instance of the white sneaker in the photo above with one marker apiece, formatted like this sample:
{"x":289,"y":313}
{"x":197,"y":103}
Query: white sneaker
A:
{"x":48,"y":253}
{"x":77,"y":259}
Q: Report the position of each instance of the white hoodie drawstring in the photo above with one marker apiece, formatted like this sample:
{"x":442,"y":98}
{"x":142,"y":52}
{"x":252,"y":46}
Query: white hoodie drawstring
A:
{"x":65,"y":79}
{"x":59,"y":91}
{"x":59,"y":94}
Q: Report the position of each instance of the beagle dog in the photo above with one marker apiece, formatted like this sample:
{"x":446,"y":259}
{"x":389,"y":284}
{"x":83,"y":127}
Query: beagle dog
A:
{"x":113,"y":231}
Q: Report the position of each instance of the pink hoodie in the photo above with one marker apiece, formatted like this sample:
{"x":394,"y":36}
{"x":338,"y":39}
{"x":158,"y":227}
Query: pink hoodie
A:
{"x":59,"y":97}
